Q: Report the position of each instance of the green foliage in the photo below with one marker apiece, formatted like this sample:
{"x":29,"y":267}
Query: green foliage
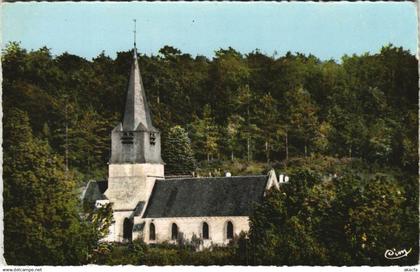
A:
{"x":118,"y":254}
{"x":266,"y":116}
{"x":177,"y":152}
{"x":41,"y":220}
{"x":101,"y":219}
{"x":205,"y":134}
{"x":139,"y":253}
{"x":349,"y":220}
{"x":303,"y":120}
{"x":253,"y":107}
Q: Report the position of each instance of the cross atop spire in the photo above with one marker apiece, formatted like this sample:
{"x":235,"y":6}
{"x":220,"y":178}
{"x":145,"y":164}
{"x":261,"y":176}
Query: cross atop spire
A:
{"x":135,"y":33}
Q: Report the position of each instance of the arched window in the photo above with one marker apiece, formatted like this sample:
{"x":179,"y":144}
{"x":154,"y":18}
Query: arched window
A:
{"x":205,"y":231}
{"x":229,"y":230}
{"x":174,"y":231}
{"x":152,"y":232}
{"x":128,"y":229}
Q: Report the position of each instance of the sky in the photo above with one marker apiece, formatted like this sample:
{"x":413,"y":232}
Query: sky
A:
{"x":326,"y":30}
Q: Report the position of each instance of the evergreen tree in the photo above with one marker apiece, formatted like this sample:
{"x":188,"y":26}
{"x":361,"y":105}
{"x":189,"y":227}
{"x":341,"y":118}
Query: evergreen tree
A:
{"x":234,"y":128}
{"x":205,"y":134}
{"x":267,"y":119}
{"x":177,"y":152}
{"x":245,"y":102}
{"x":303,"y":116}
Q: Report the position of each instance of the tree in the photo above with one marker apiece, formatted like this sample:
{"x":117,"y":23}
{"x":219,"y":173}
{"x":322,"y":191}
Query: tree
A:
{"x":205,"y":133}
{"x":41,"y":219}
{"x":89,"y":143}
{"x":244,"y":105}
{"x":267,"y":119}
{"x":302,"y":114}
{"x":177,"y":152}
{"x":348,"y":132}
{"x":234,"y":127}
{"x":380,"y":140}
{"x":227,"y":74}
{"x":321,"y":141}
{"x":13,"y":60}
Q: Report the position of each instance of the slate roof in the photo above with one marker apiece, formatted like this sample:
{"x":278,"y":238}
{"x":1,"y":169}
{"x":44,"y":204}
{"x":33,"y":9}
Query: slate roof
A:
{"x":194,"y":197}
{"x":95,"y":191}
{"x":136,"y":107}
{"x":139,"y":208}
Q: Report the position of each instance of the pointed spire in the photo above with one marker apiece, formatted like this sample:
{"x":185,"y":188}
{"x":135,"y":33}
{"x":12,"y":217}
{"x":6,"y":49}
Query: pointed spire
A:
{"x":137,"y":113}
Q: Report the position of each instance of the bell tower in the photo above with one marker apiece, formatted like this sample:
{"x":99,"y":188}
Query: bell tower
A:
{"x":135,"y":140}
{"x":135,"y":161}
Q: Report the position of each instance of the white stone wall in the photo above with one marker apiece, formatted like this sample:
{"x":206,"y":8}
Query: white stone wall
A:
{"x":116,"y":230}
{"x":127,"y":185}
{"x":111,"y":235}
{"x":135,"y":169}
{"x":130,"y":183}
{"x":192,"y":225}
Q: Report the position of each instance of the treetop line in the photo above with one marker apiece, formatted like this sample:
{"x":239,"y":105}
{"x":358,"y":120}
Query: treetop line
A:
{"x":234,"y":106}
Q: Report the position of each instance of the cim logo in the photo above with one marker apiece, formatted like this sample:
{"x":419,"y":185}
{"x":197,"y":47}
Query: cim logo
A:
{"x":393,"y":254}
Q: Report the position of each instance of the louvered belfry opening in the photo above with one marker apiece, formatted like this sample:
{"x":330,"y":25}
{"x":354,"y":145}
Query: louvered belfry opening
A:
{"x":127,"y":138}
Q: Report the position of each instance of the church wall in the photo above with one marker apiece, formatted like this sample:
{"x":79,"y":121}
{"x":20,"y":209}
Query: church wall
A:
{"x":152,"y":151}
{"x":116,"y":230}
{"x":130,"y":183}
{"x":190,"y":226}
{"x":140,"y":169}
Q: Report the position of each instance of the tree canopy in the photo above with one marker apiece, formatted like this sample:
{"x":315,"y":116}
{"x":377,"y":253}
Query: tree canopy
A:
{"x":252,"y":106}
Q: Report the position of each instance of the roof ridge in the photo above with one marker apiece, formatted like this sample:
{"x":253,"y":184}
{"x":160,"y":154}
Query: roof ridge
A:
{"x":184,"y":178}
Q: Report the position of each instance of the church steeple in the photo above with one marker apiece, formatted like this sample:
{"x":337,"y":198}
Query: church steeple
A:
{"x":137,"y":112}
{"x":135,"y":140}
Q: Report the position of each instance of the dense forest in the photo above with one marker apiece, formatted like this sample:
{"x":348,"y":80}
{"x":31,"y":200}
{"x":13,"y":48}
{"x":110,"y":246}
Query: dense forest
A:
{"x":346,"y":132}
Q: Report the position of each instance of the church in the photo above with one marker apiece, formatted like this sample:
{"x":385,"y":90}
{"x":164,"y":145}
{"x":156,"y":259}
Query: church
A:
{"x":148,"y":206}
